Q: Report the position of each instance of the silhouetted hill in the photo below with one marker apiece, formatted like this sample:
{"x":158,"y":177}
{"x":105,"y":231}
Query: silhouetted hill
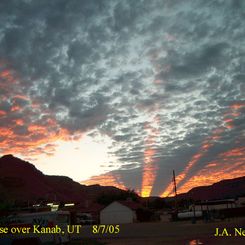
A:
{"x":20,"y":181}
{"x":230,"y":188}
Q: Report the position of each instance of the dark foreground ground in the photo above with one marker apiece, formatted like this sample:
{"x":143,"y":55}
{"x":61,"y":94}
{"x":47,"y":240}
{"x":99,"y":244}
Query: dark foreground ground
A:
{"x":176,"y":233}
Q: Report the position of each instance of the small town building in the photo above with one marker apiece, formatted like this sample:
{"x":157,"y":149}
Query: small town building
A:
{"x":214,"y":205}
{"x":119,"y":212}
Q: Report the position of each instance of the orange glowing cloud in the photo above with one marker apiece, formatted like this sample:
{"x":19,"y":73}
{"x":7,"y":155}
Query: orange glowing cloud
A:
{"x":15,"y":108}
{"x":37,"y":129}
{"x":7,"y":75}
{"x":2,"y":113}
{"x":45,"y":129}
{"x":5,"y":132}
{"x":19,"y":122}
{"x":228,"y":120}
{"x":29,"y":144}
{"x":105,"y":180}
{"x":37,"y":136}
{"x":234,"y":153}
{"x":237,"y":106}
{"x":21,"y":96}
{"x":229,"y":126}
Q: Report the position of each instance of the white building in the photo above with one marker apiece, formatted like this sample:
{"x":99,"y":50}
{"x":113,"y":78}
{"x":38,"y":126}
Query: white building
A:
{"x":118,"y":213}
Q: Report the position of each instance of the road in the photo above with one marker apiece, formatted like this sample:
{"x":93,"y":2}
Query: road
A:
{"x":183,"y":232}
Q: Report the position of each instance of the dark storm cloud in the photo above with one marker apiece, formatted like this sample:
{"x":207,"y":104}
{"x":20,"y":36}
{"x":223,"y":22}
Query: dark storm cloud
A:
{"x":157,"y":75}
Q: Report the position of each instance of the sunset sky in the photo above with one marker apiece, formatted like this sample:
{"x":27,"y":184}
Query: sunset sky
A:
{"x":121,"y":93}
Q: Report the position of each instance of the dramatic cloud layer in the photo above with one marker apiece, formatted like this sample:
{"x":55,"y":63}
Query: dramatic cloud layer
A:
{"x":163,"y":80}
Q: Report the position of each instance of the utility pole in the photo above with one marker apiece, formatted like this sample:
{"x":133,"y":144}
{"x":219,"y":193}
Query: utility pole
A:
{"x":175,"y":191}
{"x":175,"y":212}
{"x":175,"y":188}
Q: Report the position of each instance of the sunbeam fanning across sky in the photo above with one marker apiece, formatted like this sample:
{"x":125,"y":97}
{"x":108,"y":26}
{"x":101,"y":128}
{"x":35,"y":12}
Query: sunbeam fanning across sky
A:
{"x":228,"y":120}
{"x":149,"y":167}
{"x":106,"y":180}
{"x":123,"y":92}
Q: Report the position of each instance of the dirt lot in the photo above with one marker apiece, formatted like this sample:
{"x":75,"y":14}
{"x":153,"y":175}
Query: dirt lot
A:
{"x":171,"y":233}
